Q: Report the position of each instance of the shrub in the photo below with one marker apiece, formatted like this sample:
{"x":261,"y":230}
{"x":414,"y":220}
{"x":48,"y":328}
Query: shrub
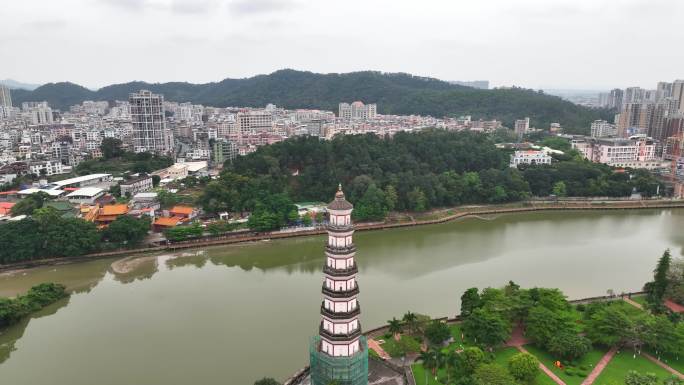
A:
{"x":524,"y":367}
{"x":39,"y":296}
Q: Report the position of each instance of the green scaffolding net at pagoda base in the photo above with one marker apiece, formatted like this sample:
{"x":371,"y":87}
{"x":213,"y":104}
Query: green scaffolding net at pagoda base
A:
{"x":325,"y":369}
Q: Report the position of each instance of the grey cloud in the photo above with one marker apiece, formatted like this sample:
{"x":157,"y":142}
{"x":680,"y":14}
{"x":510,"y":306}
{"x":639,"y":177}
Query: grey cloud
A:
{"x":127,"y":4}
{"x":43,"y":25}
{"x":252,"y":7}
{"x":194,"y":6}
{"x":190,"y":7}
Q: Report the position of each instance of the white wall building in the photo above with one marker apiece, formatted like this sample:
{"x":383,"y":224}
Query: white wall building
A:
{"x":46,"y":168}
{"x":635,"y":152}
{"x":86,"y":195}
{"x":357,"y":111}
{"x":529,"y":157}
{"x":602,"y":129}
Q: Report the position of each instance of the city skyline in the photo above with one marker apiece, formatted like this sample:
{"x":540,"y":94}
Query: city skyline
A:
{"x":199,"y":41}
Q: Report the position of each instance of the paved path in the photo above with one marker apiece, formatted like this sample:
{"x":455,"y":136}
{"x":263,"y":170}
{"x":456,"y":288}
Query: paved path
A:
{"x":599,"y":367}
{"x":633,"y":303}
{"x":373,"y":344}
{"x":663,"y":365}
{"x":517,"y":337}
{"x":544,"y":369}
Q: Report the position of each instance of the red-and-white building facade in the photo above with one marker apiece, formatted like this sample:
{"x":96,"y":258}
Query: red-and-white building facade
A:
{"x":340,"y":328}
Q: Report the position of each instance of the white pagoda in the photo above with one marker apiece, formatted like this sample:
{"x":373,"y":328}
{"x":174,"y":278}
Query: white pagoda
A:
{"x":340,"y":353}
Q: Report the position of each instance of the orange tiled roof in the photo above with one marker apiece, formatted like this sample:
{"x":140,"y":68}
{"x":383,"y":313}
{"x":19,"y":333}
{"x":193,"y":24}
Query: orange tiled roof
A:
{"x":106,"y":218}
{"x":5,"y":207}
{"x":120,"y":209}
{"x":185,"y":210}
{"x":674,"y":307}
{"x":168,"y":221}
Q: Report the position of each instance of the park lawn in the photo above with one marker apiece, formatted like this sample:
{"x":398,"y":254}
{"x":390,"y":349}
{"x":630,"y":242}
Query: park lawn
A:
{"x":392,"y":347}
{"x":670,"y":360}
{"x":622,"y":363}
{"x":501,"y":356}
{"x":419,"y":375}
{"x":457,"y":333}
{"x":588,"y":361}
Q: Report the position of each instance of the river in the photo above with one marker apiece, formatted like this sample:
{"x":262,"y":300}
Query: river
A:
{"x":233,"y":314}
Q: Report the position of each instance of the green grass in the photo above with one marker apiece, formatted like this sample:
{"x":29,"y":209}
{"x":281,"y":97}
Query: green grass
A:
{"x":392,"y":347}
{"x":419,"y":375}
{"x":419,"y":371}
{"x":501,"y":356}
{"x":622,"y":363}
{"x":669,"y":359}
{"x":588,"y":361}
{"x":640,"y":299}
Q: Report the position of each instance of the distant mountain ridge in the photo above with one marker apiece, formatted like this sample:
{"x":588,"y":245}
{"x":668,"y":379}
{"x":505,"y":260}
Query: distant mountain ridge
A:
{"x":13,"y":84}
{"x":395,"y":93}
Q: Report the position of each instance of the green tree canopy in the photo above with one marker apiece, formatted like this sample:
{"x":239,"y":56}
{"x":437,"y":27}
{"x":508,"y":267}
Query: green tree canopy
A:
{"x":524,"y":367}
{"x":492,"y":374}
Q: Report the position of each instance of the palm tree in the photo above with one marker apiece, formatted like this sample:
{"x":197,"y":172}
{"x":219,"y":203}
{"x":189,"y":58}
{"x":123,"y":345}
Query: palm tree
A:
{"x":395,"y":327}
{"x":450,"y":362}
{"x":410,"y":319}
{"x":429,"y":361}
{"x":439,"y":362}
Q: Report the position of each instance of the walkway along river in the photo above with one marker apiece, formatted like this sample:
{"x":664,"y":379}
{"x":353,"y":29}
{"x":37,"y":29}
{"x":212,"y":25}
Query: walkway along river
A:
{"x":233,"y":314}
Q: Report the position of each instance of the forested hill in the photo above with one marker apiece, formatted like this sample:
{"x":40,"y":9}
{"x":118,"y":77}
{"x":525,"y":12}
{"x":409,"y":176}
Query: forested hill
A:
{"x":396,"y":93}
{"x":407,"y":172}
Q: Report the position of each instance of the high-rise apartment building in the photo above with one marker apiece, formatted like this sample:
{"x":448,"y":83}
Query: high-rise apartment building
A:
{"x":678,"y":94}
{"x":663,"y":109}
{"x":633,"y":95}
{"x":5,"y":96}
{"x":357,"y":110}
{"x":635,"y":118}
{"x":37,"y":112}
{"x":664,"y":90}
{"x":149,"y":124}
{"x":615,"y":98}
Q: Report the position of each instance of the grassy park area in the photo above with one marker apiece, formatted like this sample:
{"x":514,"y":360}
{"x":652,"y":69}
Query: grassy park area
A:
{"x":571,"y":374}
{"x":623,"y":362}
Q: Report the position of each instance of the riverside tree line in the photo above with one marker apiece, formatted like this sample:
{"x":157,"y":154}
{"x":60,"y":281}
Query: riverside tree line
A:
{"x":45,"y":233}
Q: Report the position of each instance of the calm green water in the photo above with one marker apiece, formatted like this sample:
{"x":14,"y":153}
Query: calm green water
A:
{"x":233,"y":314}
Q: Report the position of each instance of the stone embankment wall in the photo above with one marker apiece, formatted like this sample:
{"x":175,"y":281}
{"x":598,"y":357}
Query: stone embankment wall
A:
{"x":461,"y":212}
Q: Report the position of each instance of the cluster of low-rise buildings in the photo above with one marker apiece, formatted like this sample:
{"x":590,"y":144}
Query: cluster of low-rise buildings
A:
{"x":51,"y":142}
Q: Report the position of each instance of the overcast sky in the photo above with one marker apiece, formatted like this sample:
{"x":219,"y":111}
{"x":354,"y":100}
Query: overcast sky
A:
{"x":592,"y":44}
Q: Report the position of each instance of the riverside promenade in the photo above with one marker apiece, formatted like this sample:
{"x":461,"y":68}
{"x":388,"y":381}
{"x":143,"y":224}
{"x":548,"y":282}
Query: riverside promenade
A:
{"x":436,"y":217}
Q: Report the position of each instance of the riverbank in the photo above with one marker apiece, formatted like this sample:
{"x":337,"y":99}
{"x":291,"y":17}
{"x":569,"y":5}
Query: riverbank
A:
{"x":441,"y":216}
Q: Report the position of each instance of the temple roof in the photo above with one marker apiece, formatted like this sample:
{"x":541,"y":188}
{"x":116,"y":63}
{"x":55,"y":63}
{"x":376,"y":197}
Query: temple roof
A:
{"x":340,"y":203}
